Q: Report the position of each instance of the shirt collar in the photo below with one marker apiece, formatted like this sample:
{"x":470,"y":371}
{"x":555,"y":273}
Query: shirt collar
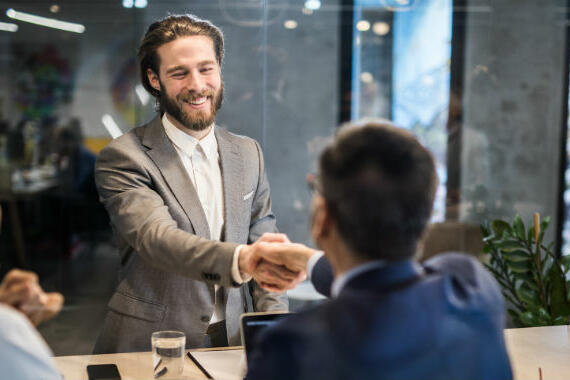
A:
{"x":187,"y":143}
{"x":341,"y":280}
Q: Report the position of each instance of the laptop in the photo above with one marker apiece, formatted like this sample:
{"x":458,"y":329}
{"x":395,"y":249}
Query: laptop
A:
{"x":251,"y":324}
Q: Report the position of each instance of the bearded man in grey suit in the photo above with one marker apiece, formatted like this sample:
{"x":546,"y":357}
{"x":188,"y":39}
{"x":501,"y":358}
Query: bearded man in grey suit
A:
{"x":188,"y":202}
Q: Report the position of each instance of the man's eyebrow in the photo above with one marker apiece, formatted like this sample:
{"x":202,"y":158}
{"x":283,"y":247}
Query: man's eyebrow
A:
{"x":184,"y":68}
{"x":208,"y":62}
{"x":176,"y":68}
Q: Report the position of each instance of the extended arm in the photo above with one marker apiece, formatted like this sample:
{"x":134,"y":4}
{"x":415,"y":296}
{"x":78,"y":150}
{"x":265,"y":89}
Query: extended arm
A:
{"x":126,"y":183}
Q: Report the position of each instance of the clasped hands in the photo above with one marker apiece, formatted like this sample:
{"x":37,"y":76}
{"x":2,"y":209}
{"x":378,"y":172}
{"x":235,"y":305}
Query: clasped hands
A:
{"x":274,"y":262}
{"x":21,"y":290}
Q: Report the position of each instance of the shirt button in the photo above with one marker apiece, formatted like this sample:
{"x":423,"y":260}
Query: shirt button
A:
{"x":205,"y":318}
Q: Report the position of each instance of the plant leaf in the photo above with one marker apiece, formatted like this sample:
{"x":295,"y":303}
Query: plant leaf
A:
{"x":515,"y":318}
{"x":558,"y":297}
{"x":530,"y":236}
{"x":485,"y":229}
{"x":528,"y":296}
{"x":543,"y":316}
{"x":518,"y":227}
{"x":500,"y":226}
{"x":528,"y":319}
{"x":519,"y":267}
{"x":560,"y":320}
{"x":544,"y":224}
{"x":517,"y":255}
{"x":509,"y":245}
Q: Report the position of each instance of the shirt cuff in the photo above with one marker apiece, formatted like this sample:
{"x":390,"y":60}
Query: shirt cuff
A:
{"x":237,"y":276}
{"x":312,"y":262}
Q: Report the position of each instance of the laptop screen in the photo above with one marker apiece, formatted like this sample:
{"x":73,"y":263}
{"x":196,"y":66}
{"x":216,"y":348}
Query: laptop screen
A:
{"x":253,"y":323}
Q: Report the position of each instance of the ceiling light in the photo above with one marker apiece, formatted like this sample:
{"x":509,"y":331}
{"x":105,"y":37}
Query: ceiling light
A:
{"x":312,"y":4}
{"x":290,"y":24}
{"x":111,"y":126}
{"x":381,"y":28}
{"x":366,"y":77}
{"x":143,"y":96}
{"x":141,"y":3}
{"x":128,"y":3}
{"x":307,"y":11}
{"x":44,"y":21}
{"x":363,"y":25}
{"x":8,"y":27}
{"x":54,"y":8}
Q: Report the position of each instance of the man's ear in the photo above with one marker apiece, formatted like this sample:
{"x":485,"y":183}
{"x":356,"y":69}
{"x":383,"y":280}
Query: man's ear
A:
{"x":153,"y":79}
{"x":322,"y":222}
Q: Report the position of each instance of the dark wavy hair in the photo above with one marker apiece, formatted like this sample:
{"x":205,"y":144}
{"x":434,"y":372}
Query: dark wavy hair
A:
{"x":379,"y":183}
{"x":167,"y":30}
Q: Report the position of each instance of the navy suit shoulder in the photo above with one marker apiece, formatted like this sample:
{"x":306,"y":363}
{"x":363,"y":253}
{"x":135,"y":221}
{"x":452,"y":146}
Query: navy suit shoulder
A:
{"x":445,"y":324}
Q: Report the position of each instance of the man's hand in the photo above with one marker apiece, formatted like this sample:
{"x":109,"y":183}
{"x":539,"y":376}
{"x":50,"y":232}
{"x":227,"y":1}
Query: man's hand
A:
{"x":274,"y":262}
{"x":21,"y":290}
{"x":277,"y":278}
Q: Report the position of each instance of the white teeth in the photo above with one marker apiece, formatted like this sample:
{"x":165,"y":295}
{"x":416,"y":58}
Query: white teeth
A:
{"x":198,"y":101}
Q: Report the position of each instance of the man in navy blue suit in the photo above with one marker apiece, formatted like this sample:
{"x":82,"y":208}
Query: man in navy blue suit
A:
{"x":389,"y":317}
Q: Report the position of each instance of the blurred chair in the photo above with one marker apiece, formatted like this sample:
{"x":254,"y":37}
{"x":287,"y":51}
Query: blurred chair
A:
{"x":452,"y":236}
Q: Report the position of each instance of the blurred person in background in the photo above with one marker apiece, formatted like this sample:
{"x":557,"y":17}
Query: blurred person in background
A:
{"x":74,"y":162}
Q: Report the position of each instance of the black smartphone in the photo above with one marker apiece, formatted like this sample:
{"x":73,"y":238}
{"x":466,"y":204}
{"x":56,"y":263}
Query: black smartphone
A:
{"x":103,"y":372}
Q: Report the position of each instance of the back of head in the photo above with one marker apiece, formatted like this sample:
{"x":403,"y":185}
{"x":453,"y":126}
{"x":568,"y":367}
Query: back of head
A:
{"x":379,"y":183}
{"x":167,"y":30}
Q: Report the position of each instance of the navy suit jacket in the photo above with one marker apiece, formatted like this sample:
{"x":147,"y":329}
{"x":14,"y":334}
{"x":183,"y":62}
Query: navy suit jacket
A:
{"x":442,"y":319}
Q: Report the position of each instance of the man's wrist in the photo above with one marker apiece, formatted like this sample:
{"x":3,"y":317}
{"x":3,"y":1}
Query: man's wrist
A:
{"x":240,"y":270}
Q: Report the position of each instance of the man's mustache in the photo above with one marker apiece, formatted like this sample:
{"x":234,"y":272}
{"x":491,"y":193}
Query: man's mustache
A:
{"x":193,"y":95}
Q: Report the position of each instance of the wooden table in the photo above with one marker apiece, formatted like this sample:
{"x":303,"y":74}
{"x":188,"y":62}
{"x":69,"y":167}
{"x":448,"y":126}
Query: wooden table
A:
{"x":529,"y":349}
{"x":544,"y":347}
{"x":133,"y":365}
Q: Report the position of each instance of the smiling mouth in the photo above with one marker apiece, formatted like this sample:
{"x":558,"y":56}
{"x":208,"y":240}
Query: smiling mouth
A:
{"x":197,"y":101}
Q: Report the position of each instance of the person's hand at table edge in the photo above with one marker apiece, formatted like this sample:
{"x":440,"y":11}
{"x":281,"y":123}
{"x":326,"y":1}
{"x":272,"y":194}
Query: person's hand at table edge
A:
{"x":20,"y":289}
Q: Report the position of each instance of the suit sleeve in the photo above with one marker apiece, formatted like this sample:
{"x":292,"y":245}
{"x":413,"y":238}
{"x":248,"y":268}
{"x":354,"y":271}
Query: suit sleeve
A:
{"x":141,"y":218}
{"x":263,"y":220}
{"x":322,"y":276}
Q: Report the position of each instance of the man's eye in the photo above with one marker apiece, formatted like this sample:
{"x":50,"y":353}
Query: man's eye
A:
{"x":207,"y":69}
{"x":178,"y":75}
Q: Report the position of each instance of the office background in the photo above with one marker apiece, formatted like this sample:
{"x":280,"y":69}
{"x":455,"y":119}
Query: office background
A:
{"x":483,"y":83}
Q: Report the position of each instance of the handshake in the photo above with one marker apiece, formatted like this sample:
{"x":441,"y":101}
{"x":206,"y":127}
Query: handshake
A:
{"x":274,"y":262}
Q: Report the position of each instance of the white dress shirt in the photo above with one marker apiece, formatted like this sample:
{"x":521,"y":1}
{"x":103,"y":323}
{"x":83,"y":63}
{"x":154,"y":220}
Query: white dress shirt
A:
{"x":24,"y":355}
{"x":202,"y":163}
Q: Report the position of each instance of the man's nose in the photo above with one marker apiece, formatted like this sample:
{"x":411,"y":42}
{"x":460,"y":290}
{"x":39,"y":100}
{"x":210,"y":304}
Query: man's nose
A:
{"x":195,"y":83}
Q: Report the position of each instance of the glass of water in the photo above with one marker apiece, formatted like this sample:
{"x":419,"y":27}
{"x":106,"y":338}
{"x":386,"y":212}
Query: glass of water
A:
{"x":168,"y":353}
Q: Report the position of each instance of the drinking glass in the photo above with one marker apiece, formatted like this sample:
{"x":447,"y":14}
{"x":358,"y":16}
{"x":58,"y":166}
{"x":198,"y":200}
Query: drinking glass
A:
{"x":168,"y":353}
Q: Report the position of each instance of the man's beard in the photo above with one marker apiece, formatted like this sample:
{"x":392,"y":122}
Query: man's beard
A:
{"x":198,"y":121}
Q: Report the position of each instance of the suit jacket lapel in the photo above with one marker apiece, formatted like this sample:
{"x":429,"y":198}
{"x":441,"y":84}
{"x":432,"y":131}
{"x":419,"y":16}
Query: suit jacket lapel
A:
{"x":164,"y":155}
{"x":232,"y":171}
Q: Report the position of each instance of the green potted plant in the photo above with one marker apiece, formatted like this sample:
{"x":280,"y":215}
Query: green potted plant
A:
{"x":531,"y":275}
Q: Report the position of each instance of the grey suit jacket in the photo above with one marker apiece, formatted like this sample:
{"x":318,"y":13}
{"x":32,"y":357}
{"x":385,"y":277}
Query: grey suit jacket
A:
{"x":168,"y":264}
